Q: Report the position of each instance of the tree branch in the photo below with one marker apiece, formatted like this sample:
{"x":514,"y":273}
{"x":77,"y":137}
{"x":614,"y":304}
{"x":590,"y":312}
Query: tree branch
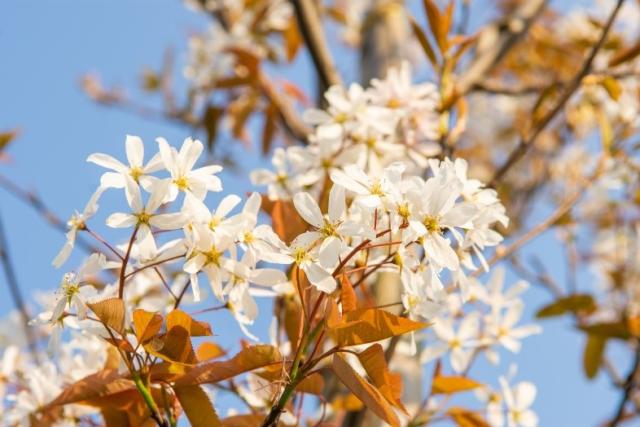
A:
{"x":526,"y":143}
{"x":310,"y":25}
{"x":288,"y":115}
{"x":628,"y":387}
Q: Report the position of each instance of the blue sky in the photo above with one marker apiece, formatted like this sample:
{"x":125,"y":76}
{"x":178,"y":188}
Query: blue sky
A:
{"x":47,"y":45}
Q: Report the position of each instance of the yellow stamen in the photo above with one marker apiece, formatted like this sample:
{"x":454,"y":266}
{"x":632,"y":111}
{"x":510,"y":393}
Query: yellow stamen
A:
{"x":394,"y":103}
{"x":182,"y":183}
{"x":135,"y":173}
{"x":376,"y":189}
{"x":431,"y":223}
{"x":143,"y":218}
{"x":213,"y":256}
{"x":300,"y":255}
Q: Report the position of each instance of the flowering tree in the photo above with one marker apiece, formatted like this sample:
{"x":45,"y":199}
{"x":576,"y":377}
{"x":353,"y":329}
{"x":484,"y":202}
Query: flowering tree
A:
{"x":376,"y":233}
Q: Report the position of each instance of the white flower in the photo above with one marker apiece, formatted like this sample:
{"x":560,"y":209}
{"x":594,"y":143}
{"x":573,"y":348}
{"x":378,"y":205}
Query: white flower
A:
{"x":518,"y":400}
{"x":207,"y":254}
{"x":349,"y":110}
{"x":330,"y":229}
{"x":136,"y":169}
{"x":281,"y":183}
{"x":218,"y":220}
{"x":416,"y":105}
{"x":207,"y":59}
{"x":493,"y":401}
{"x":74,"y":291}
{"x":502,"y":329}
{"x":459,"y":343}
{"x":144,"y":216}
{"x":437,"y":211}
{"x":371,"y":191}
{"x":243,"y":307}
{"x":43,"y":384}
{"x":77,"y":222}
{"x":304,"y":255}
{"x":423,"y":294}
{"x":183,"y":176}
{"x":495,"y":297}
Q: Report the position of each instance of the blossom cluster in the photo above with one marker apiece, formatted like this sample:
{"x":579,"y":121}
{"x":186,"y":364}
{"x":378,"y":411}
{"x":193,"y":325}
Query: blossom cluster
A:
{"x":247,"y":27}
{"x":371,"y":199}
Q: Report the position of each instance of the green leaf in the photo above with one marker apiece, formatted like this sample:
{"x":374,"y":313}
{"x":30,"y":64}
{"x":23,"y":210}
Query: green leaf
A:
{"x":616,"y":330}
{"x":612,"y":86}
{"x":592,"y":357}
{"x":7,"y":137}
{"x":571,"y":304}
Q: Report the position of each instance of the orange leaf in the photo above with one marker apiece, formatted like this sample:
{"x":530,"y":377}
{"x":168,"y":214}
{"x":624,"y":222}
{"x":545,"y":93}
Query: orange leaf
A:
{"x":466,"y":418}
{"x":284,"y":218}
{"x":194,"y":327}
{"x":247,"y":359}
{"x":239,"y":111}
{"x":313,"y":384}
{"x":347,"y":402}
{"x":369,"y":325}
{"x":368,"y":394}
{"x":389,"y":384}
{"x":110,"y":312}
{"x":99,"y":385}
{"x":269,"y":128}
{"x":424,"y":42}
{"x":121,"y":344}
{"x":175,"y":347}
{"x":246,"y":58}
{"x":437,"y":23}
{"x":246,"y":420}
{"x":452,"y":384}
{"x":113,"y":359}
{"x":146,"y":324}
{"x":292,"y":40}
{"x":348,"y":295}
{"x":197,"y":406}
{"x":114,"y":417}
{"x":208,"y":351}
{"x":167,"y":371}
{"x":633,"y":324}
{"x":292,"y":319}
{"x":211,"y":120}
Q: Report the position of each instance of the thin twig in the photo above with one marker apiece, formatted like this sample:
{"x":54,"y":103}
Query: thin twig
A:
{"x":504,"y":34}
{"x":14,"y":290}
{"x":181,"y":295}
{"x":525,"y":144}
{"x":628,"y":387}
{"x":33,"y":200}
{"x":125,"y":262}
{"x":534,"y":232}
